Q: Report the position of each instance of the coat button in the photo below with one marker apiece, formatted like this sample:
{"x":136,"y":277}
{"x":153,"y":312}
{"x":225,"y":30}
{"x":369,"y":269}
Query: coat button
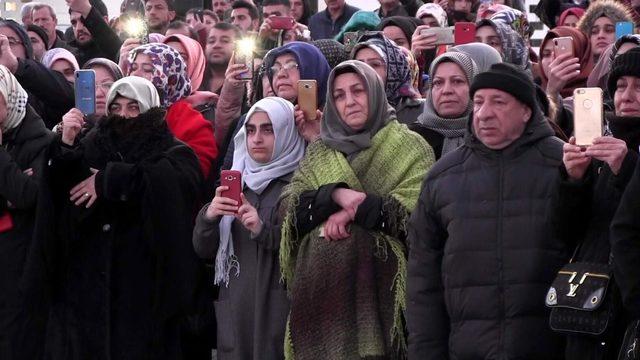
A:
{"x":106,"y":227}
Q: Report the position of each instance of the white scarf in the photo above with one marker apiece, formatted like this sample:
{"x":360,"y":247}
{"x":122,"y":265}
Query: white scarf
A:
{"x":288,"y":150}
{"x":15,"y":97}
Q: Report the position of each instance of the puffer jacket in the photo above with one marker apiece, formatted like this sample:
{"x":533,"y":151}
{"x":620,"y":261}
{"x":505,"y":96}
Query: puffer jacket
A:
{"x":482,"y":252}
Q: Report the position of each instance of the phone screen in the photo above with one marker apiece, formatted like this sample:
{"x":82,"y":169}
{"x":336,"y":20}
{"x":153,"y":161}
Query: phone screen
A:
{"x":85,"y":91}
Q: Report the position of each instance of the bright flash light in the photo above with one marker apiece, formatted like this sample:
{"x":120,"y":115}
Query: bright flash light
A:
{"x":135,"y":27}
{"x":246,"y":46}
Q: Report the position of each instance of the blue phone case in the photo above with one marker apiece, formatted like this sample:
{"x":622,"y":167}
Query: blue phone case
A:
{"x":624,"y":28}
{"x":85,"y":91}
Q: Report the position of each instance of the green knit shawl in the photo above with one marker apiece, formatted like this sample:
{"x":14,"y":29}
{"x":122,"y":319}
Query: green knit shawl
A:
{"x":394,"y":165}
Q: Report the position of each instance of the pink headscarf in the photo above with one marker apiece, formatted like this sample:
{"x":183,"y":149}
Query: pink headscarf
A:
{"x":196,"y":63}
{"x":575,"y":11}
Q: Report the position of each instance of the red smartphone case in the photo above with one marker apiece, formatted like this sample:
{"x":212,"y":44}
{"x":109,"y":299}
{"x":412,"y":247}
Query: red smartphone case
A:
{"x":282,"y":22}
{"x":464,"y":33}
{"x":233,"y":180}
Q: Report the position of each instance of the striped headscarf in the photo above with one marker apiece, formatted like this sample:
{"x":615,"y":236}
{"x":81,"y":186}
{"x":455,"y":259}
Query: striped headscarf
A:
{"x":15,"y":98}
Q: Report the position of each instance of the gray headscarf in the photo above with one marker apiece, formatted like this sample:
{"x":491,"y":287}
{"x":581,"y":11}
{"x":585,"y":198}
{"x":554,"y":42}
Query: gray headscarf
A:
{"x":482,"y":54}
{"x":136,"y":88}
{"x":334,"y":132}
{"x":453,"y":129}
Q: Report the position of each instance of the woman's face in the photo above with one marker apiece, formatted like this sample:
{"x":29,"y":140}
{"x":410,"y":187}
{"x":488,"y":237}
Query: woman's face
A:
{"x":488,"y":35}
{"x":603,"y":34}
{"x":125,"y":107}
{"x":627,"y":96}
{"x":462,"y":5}
{"x":373,"y":59}
{"x":570,"y":20}
{"x":266,"y":86}
{"x":396,"y":34}
{"x":65,"y":68}
{"x":142,"y":67}
{"x":450,"y":90}
{"x":350,"y":97}
{"x":430,"y":20}
{"x":286,"y":73}
{"x":260,"y":137}
{"x":546,"y":56}
{"x":297,"y":9}
{"x":104,"y":80}
{"x":177,"y":46}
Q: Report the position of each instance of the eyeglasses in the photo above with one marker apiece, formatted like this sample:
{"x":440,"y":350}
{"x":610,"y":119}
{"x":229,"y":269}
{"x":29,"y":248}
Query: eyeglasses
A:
{"x":14,"y":41}
{"x":275,"y":69}
{"x":104,"y":86}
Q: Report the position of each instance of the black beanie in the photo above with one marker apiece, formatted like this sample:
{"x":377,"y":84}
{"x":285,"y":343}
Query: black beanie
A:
{"x":510,"y":79}
{"x":625,"y":64}
{"x":41,"y":33}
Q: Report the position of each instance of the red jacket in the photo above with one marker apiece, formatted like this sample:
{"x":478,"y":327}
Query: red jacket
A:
{"x":188,"y":126}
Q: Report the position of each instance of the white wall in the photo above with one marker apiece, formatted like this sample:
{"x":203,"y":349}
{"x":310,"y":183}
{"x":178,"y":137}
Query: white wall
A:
{"x":362,"y":4}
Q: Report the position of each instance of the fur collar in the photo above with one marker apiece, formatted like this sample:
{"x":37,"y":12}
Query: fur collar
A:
{"x":115,"y":138}
{"x":612,"y":9}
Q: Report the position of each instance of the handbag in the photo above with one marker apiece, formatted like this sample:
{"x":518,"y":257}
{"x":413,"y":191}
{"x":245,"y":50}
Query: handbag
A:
{"x":630,"y":349}
{"x":580,"y":298}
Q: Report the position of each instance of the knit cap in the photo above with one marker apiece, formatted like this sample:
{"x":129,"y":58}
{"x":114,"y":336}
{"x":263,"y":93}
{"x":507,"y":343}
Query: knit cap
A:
{"x":623,"y":65}
{"x":510,"y":79}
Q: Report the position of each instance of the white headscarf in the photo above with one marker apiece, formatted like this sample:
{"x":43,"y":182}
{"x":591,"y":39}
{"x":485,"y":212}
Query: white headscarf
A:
{"x":135,"y":88}
{"x":434,"y":10}
{"x":288,"y":150}
{"x":56,"y":54}
{"x":15,"y":97}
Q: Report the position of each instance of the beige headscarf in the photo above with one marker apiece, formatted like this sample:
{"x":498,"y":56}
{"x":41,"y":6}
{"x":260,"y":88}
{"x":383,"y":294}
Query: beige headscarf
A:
{"x":136,"y":88}
{"x":15,"y":97}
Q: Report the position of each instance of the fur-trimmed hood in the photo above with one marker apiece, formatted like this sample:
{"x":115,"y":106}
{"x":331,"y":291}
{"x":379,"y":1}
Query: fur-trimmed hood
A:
{"x":614,"y":10}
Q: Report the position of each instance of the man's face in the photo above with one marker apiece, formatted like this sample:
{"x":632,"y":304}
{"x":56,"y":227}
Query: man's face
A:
{"x":499,"y":118}
{"x":240,"y":18}
{"x":275,"y":10}
{"x":220,"y":7}
{"x":42,"y":17}
{"x":158,"y":15}
{"x":81,"y":33}
{"x":220,"y":46}
{"x":334,"y":5}
{"x":37,"y":44}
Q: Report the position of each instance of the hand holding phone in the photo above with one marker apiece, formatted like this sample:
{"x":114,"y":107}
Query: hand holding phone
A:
{"x":232,"y":179}
{"x":282,"y":22}
{"x":587,"y":115}
{"x":444,"y":36}
{"x":563,"y":45}
{"x":85,"y":91}
{"x":308,"y":98}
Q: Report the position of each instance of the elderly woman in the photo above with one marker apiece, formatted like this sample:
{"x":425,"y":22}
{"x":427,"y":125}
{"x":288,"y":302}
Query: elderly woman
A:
{"x":123,"y":199}
{"x":23,"y":143}
{"x":391,"y":64}
{"x":244,"y":238}
{"x":589,"y":193}
{"x":167,"y":70}
{"x":342,"y":249}
{"x":443,"y":122}
{"x":599,"y":23}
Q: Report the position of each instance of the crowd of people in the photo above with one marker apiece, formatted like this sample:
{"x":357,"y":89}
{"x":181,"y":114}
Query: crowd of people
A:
{"x":398,"y":196}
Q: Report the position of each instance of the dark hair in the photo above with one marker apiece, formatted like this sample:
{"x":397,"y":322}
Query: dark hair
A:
{"x":276,"y":2}
{"x":179,"y":24}
{"x":170,"y":4}
{"x":203,"y":12}
{"x":242,"y":4}
{"x":100,"y":7}
{"x":41,"y":33}
{"x":228,"y":27}
{"x":306,"y":13}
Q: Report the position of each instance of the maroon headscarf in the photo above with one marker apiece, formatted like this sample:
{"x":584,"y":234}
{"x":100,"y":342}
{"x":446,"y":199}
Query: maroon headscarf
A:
{"x":575,"y":11}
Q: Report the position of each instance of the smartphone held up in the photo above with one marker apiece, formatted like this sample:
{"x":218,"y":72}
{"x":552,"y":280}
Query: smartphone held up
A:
{"x":232,"y":179}
{"x":588,"y":115}
{"x":137,"y":28}
{"x":85,"y":91}
{"x":244,"y":54}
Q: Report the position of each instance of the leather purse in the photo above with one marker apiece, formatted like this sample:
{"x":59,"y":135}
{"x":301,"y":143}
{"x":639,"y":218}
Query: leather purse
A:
{"x":580,"y":299}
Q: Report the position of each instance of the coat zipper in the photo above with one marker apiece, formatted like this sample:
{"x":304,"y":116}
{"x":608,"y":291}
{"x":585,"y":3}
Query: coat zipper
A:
{"x":500,"y":255}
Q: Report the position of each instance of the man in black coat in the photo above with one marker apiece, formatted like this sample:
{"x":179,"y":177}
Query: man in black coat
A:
{"x":93,"y":37}
{"x":481,"y":252}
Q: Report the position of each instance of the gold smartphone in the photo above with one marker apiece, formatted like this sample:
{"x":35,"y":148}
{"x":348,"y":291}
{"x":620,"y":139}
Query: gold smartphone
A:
{"x":587,"y":115}
{"x":308,"y":98}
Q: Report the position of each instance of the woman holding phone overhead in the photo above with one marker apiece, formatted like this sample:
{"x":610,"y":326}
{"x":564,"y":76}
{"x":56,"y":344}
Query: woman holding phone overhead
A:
{"x":342,"y":248}
{"x":244,"y":236}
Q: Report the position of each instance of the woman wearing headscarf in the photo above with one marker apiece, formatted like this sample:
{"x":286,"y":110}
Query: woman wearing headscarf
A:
{"x":599,"y":22}
{"x":62,"y":61}
{"x":570,"y":17}
{"x":123,"y":268}
{"x":23,"y":143}
{"x":433,"y":15}
{"x":590,"y":191}
{"x":360,"y":21}
{"x":506,"y":40}
{"x":166,"y":69}
{"x":482,"y":54}
{"x":195,"y":60}
{"x":392,"y":66}
{"x":244,"y":239}
{"x":333,"y":51}
{"x":399,"y":29}
{"x":561,"y":74}
{"x":342,"y":248}
{"x":444,"y":120}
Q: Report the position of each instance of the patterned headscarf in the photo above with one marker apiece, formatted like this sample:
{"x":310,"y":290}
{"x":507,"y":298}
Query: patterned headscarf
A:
{"x":332,"y":50}
{"x":414,"y":68}
{"x":15,"y":97}
{"x":434,"y":10}
{"x":514,"y":18}
{"x":514,"y":50}
{"x":398,"y":84}
{"x":170,"y":72}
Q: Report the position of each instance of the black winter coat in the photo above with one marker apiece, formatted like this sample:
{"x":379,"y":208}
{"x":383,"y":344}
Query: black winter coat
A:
{"x":124,"y":270}
{"x":21,"y":320}
{"x":482,"y":253}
